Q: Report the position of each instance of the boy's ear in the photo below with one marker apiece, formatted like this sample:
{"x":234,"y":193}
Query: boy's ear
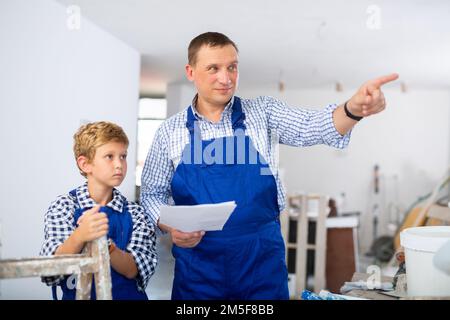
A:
{"x":84,"y":164}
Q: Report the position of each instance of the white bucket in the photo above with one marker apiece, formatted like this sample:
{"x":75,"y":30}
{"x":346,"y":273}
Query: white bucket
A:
{"x":421,"y":244}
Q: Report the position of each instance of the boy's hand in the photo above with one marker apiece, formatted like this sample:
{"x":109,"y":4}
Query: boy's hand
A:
{"x":92,"y":224}
{"x":183,"y":239}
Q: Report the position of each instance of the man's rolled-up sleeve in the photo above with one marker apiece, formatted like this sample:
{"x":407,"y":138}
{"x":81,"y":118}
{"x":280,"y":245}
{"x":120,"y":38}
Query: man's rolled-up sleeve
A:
{"x":302,"y":127}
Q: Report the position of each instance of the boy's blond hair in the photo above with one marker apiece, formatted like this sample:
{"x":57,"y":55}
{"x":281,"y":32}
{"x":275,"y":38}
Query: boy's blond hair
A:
{"x":93,"y":135}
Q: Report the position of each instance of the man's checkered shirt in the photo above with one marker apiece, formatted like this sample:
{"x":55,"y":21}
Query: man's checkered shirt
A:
{"x":267,"y":119}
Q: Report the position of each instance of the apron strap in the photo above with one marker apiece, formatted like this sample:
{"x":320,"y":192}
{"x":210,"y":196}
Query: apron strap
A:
{"x":54,"y":292}
{"x":190,"y":120}
{"x":237,"y":119}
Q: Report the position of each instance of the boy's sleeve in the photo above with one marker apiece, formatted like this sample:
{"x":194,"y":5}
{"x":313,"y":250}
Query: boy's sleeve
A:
{"x":142,"y":246}
{"x":58,"y":226}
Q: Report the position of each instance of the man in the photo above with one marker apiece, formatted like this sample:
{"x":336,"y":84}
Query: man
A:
{"x":246,"y":260}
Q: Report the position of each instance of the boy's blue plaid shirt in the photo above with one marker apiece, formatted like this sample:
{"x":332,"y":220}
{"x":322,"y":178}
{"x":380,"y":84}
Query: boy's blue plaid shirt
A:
{"x":59,"y":225}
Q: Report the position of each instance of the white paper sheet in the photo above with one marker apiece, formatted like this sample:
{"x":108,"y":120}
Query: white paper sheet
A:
{"x":207,"y":217}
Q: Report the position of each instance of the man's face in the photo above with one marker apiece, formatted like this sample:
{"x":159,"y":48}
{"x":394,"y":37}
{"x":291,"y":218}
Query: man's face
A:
{"x":215,"y":74}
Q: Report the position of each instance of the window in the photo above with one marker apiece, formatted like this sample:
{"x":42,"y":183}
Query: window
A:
{"x":152,"y":112}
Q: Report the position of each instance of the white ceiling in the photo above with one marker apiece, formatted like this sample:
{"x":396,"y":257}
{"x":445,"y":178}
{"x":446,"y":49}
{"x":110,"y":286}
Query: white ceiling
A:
{"x":306,"y":44}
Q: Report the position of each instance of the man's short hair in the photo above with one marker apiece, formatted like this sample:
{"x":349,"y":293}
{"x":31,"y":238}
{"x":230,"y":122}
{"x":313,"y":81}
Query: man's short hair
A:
{"x":212,"y":39}
{"x":93,"y":135}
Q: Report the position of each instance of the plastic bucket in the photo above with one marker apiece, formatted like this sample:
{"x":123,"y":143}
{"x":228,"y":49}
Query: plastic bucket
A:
{"x":420,"y":245}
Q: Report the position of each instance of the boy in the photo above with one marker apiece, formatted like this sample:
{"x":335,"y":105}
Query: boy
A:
{"x":97,"y":208}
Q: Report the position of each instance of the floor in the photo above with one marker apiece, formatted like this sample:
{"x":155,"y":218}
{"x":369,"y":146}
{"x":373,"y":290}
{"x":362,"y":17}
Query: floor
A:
{"x":160,"y":285}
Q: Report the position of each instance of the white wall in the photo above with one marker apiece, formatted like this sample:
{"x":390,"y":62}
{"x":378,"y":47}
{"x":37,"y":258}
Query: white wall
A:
{"x":51,"y":80}
{"x":179,"y":95}
{"x":409,"y":139}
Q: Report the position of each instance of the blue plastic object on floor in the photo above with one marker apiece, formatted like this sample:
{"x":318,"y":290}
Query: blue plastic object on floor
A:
{"x":324,"y":295}
{"x":308,"y":295}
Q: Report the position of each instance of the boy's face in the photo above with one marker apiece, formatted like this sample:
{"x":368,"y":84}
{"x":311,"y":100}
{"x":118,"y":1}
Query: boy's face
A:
{"x":215,"y":74}
{"x":109,"y":166}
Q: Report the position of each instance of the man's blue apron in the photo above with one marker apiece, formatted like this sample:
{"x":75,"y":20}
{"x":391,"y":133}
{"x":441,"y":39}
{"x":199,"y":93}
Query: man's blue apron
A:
{"x":120,"y":230}
{"x":246,"y":260}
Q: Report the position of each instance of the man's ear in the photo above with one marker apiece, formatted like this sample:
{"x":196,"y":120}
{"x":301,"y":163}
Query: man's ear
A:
{"x":189,"y":72}
{"x":84,"y":164}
